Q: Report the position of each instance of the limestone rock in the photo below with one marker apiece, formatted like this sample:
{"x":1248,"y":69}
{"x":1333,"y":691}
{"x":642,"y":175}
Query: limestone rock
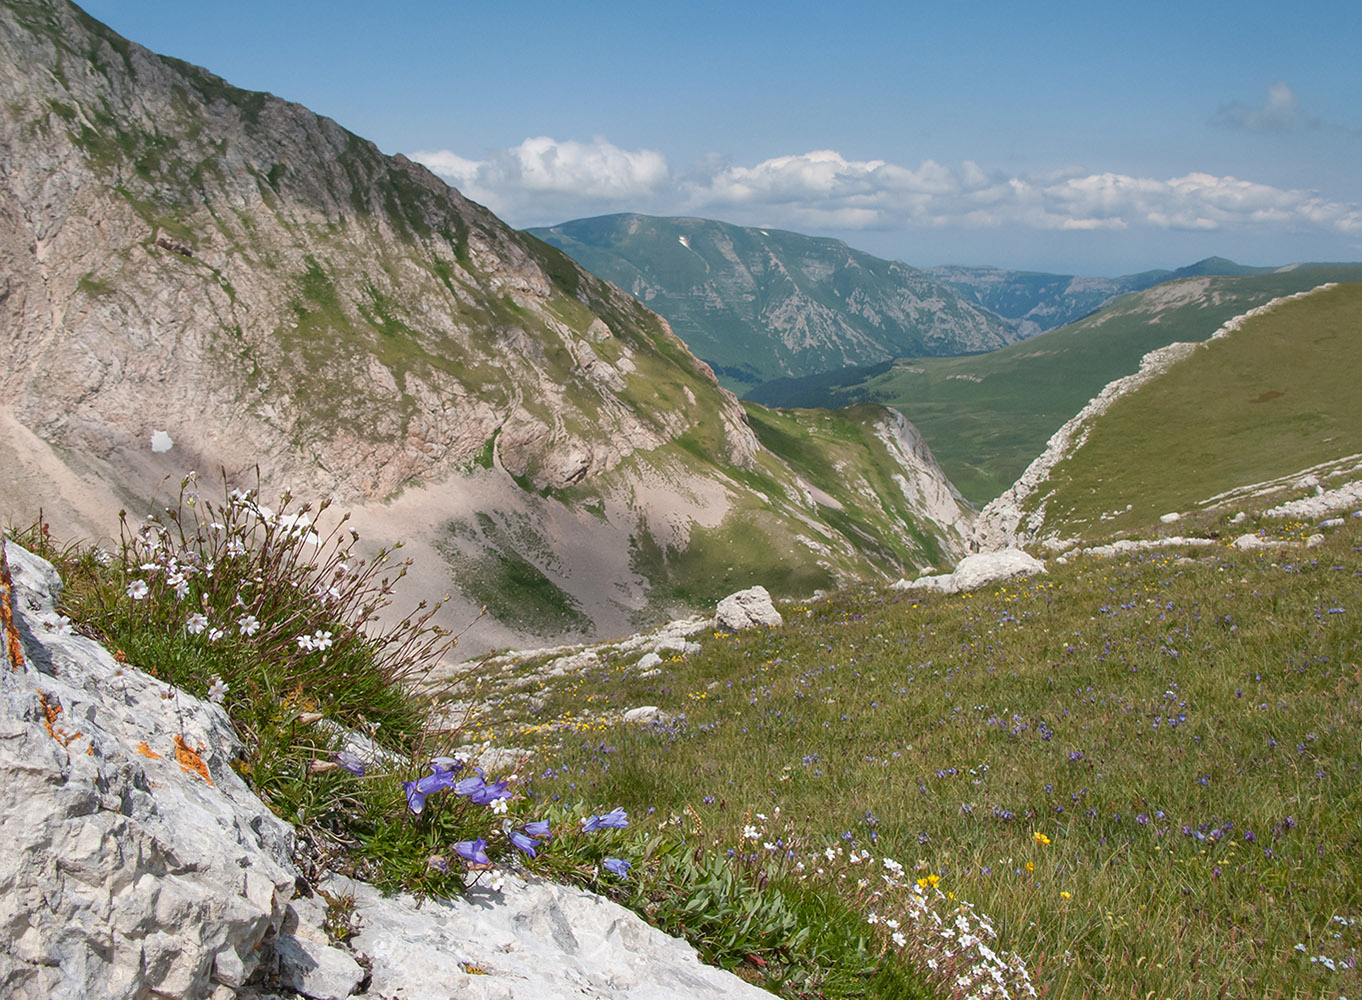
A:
{"x":532,"y":940}
{"x":746,"y":609}
{"x":980,"y":570}
{"x":133,"y":858}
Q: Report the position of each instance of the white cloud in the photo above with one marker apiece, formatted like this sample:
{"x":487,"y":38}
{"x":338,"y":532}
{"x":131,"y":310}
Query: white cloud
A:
{"x":823,"y":187}
{"x":541,"y":173}
{"x":1279,"y":111}
{"x":544,"y":181}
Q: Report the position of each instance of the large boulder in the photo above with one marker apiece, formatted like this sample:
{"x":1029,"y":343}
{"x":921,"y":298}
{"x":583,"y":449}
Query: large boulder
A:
{"x":980,"y":570}
{"x":746,"y":609}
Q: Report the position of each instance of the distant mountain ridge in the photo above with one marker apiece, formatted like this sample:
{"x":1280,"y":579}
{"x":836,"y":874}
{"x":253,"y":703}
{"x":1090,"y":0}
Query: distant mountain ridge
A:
{"x":759,"y":304}
{"x":987,"y":416}
{"x":1036,"y":301}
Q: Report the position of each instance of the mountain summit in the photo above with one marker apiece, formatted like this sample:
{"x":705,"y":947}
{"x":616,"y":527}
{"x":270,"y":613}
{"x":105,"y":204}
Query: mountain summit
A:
{"x":201,"y":277}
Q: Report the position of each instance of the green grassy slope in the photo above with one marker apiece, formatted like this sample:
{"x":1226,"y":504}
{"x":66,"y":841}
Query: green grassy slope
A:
{"x":1275,"y":397}
{"x":1145,"y":770}
{"x":987,"y":416}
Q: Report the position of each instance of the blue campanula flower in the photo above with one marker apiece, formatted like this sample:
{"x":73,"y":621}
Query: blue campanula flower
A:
{"x":469,"y":785}
{"x":522,"y":841}
{"x":618,"y":866}
{"x":488,"y":793}
{"x":539,"y":828}
{"x":473,"y":850}
{"x":350,"y":762}
{"x":438,"y":780}
{"x":616,"y":818}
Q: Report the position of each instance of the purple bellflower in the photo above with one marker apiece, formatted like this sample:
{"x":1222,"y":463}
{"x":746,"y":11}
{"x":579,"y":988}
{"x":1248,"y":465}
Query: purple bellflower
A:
{"x":350,"y":762}
{"x":473,"y":850}
{"x":488,"y":793}
{"x":437,"y":781}
{"x":539,"y":828}
{"x":522,"y":841}
{"x":616,"y":818}
{"x":618,"y":866}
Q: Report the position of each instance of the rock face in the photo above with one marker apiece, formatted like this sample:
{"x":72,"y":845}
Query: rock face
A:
{"x":132,"y":857}
{"x":194,"y":276}
{"x":531,"y":941}
{"x":136,"y":864}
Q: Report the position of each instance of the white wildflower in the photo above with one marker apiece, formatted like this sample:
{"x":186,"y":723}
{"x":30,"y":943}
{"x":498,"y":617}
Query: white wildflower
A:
{"x":900,"y":940}
{"x":197,"y":623}
{"x":750,"y":833}
{"x":217,"y":691}
{"x":214,"y":634}
{"x":248,"y":625}
{"x":138,"y":590}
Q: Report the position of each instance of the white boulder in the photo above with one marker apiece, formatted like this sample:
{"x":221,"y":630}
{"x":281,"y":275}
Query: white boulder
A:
{"x":746,"y":609}
{"x":982,"y":569}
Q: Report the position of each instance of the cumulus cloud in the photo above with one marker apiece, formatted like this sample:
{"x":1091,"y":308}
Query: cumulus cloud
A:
{"x":1279,"y":111}
{"x":542,"y":173}
{"x":543,"y":180}
{"x":822,"y":188}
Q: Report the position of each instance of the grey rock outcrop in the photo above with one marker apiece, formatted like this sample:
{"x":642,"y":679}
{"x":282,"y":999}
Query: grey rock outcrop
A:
{"x":136,"y":864}
{"x":133,"y":860}
{"x":746,"y":609}
{"x":982,"y":569}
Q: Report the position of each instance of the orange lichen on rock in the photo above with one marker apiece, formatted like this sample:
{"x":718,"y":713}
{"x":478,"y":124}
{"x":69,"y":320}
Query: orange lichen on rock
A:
{"x":16,"y":650}
{"x":51,"y":712}
{"x":147,"y":751}
{"x":190,"y":760}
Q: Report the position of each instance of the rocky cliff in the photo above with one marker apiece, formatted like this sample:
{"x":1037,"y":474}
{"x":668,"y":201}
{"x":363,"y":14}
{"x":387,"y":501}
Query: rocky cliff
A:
{"x":201,"y":277}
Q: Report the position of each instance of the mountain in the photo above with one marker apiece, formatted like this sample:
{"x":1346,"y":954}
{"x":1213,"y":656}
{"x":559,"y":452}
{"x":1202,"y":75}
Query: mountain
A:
{"x":987,"y":416}
{"x":1267,"y":402}
{"x":759,"y":304}
{"x":1034,"y":301}
{"x":201,"y":277}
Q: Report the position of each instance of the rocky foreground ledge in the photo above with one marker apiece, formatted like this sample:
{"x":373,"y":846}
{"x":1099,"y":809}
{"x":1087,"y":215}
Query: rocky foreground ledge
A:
{"x":136,"y":863}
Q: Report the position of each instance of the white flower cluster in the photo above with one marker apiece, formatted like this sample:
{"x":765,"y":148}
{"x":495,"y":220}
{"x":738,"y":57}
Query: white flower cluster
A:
{"x":945,"y":935}
{"x":317,"y":642}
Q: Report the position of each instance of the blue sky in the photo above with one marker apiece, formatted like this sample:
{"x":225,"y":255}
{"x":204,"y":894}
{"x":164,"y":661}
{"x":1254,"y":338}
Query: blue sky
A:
{"x":1083,"y":138}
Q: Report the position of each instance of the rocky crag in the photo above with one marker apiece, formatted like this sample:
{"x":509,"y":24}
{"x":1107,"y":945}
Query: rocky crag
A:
{"x":201,"y":277}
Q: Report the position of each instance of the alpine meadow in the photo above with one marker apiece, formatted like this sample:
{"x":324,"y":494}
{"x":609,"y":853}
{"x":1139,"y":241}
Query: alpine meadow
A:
{"x":582,"y":570}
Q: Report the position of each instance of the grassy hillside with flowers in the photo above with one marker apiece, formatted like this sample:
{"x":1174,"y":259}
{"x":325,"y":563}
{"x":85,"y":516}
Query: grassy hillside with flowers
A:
{"x":1134,"y":775}
{"x":1141,"y":773}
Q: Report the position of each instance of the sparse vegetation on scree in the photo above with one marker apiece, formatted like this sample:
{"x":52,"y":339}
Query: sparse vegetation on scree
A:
{"x":1132,"y":776}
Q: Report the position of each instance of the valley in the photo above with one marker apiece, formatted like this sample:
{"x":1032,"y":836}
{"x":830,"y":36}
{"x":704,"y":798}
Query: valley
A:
{"x":387,"y":543}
